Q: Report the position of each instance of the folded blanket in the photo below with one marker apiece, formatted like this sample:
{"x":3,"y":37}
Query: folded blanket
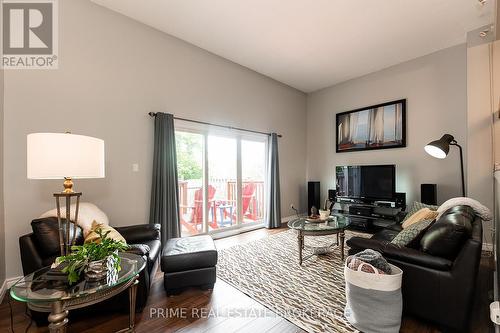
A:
{"x":482,"y":211}
{"x":375,"y":259}
{"x":88,"y":213}
{"x":354,"y":264}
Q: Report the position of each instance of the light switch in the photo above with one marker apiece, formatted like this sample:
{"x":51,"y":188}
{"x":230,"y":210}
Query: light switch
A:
{"x":135,"y":167}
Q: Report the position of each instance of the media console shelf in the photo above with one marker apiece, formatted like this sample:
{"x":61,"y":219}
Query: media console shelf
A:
{"x":377,"y":218}
{"x":367,"y":196}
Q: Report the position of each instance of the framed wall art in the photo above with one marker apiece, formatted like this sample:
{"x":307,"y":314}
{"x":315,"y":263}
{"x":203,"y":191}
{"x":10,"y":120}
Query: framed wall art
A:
{"x":380,"y":126}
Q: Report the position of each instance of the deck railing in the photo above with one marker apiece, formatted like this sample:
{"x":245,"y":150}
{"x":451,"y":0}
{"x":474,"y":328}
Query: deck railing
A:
{"x":255,"y":210}
{"x":226,"y":194}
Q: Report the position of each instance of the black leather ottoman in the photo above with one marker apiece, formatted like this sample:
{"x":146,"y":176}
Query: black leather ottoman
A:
{"x":188,"y":262}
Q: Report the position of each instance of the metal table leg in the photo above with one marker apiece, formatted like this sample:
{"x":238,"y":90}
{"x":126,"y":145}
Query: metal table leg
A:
{"x":342,"y":237}
{"x":132,"y":294}
{"x":58,"y":318}
{"x":301,"y":245}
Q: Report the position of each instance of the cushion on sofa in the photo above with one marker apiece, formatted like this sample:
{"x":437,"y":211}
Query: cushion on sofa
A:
{"x":93,"y":236}
{"x":420,"y":215}
{"x":46,"y":231}
{"x":416,"y":206}
{"x":411,"y":233}
{"x":447,"y":235}
{"x":417,"y":257}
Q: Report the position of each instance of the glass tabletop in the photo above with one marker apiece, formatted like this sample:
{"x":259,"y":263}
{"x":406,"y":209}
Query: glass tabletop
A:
{"x":335,"y":222}
{"x":35,"y":287}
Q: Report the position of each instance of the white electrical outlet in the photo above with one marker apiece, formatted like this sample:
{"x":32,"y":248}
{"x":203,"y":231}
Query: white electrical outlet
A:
{"x":495,"y":312}
{"x":135,"y":167}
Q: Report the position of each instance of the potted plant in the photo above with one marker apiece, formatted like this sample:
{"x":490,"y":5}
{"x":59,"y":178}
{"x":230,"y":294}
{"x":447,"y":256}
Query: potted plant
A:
{"x":94,"y":259}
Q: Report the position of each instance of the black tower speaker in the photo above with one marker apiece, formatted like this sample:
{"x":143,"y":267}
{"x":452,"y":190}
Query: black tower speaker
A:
{"x":428,"y":194}
{"x":313,"y":196}
{"x":332,"y":195}
{"x":400,"y":200}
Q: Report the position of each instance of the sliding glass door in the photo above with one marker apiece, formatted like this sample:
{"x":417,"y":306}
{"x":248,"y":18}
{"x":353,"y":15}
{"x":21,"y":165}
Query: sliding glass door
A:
{"x":222,"y":174}
{"x":253,"y":172}
{"x":221,"y":180}
{"x":190,"y":161}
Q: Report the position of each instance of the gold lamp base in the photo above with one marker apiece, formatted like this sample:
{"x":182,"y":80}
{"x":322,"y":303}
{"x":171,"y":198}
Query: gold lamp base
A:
{"x":68,"y":185}
{"x":65,"y":242}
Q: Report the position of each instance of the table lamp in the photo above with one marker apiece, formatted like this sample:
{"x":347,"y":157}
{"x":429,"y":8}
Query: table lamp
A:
{"x":65,"y":156}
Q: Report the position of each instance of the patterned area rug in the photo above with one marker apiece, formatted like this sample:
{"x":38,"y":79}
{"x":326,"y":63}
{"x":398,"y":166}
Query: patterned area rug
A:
{"x":311,"y":296}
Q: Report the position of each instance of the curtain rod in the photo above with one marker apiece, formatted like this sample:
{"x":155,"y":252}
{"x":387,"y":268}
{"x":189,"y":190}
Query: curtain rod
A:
{"x":153,"y":114}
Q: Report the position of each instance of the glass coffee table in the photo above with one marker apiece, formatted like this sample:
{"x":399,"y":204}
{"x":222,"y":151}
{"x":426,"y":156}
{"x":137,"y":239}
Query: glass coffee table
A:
{"x":335,"y":224}
{"x":57,"y":297}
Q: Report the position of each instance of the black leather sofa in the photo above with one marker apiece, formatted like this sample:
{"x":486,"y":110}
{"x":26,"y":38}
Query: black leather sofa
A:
{"x":38,"y":251}
{"x":439,"y":269}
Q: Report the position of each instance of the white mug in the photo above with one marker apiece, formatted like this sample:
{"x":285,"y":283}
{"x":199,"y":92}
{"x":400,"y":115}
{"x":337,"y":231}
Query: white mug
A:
{"x":323,"y":214}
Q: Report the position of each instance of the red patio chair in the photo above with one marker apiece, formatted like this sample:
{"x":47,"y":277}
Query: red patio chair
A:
{"x":194,"y":218}
{"x":248,"y":196}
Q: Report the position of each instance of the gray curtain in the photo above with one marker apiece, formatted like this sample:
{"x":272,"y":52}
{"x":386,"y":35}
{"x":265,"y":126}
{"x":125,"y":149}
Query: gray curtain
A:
{"x":164,"y":190}
{"x":273,"y":205}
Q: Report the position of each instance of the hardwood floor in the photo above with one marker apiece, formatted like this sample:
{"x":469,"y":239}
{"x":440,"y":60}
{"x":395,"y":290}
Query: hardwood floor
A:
{"x":205,"y":311}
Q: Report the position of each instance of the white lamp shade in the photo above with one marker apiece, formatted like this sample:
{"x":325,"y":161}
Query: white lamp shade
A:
{"x":59,"y":155}
{"x":435,"y":151}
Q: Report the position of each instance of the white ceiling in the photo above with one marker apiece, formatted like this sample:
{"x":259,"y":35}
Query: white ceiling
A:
{"x":312,"y":44}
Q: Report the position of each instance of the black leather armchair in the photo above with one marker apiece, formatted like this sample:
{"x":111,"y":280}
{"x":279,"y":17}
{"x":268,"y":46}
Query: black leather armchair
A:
{"x":436,"y":288}
{"x":144,"y":240}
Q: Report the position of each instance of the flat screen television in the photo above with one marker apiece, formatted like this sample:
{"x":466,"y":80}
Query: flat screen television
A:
{"x":370,"y":182}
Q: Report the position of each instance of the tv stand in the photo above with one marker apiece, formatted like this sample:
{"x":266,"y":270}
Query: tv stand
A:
{"x":369,"y":217}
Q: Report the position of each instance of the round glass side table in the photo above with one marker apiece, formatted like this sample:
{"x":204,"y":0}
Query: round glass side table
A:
{"x":57,"y":297}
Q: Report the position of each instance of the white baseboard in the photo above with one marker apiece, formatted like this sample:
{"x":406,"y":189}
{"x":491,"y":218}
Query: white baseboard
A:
{"x":7,"y":283}
{"x":488,"y":247}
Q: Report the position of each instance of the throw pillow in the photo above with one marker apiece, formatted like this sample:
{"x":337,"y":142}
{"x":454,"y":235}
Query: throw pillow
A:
{"x":408,"y":235}
{"x":113,"y":234}
{"x":420,"y":215}
{"x":87,"y":213}
{"x":416,"y":206}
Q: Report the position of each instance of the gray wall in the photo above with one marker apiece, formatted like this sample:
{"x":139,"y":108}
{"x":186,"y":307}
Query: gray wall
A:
{"x":436,"y":92}
{"x":112,"y":71}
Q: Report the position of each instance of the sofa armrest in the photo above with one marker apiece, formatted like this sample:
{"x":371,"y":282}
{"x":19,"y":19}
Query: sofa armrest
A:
{"x":413,"y":256}
{"x":30,"y":256}
{"x":401,"y":253}
{"x":360,"y":244}
{"x":136,"y":234}
{"x":139,"y":249}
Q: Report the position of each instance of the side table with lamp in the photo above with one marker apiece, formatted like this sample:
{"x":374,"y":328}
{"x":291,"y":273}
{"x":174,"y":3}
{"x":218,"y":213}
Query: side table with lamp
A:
{"x":83,"y":157}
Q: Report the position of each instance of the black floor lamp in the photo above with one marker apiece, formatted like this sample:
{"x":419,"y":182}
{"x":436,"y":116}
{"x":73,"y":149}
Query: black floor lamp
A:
{"x":440,"y":148}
